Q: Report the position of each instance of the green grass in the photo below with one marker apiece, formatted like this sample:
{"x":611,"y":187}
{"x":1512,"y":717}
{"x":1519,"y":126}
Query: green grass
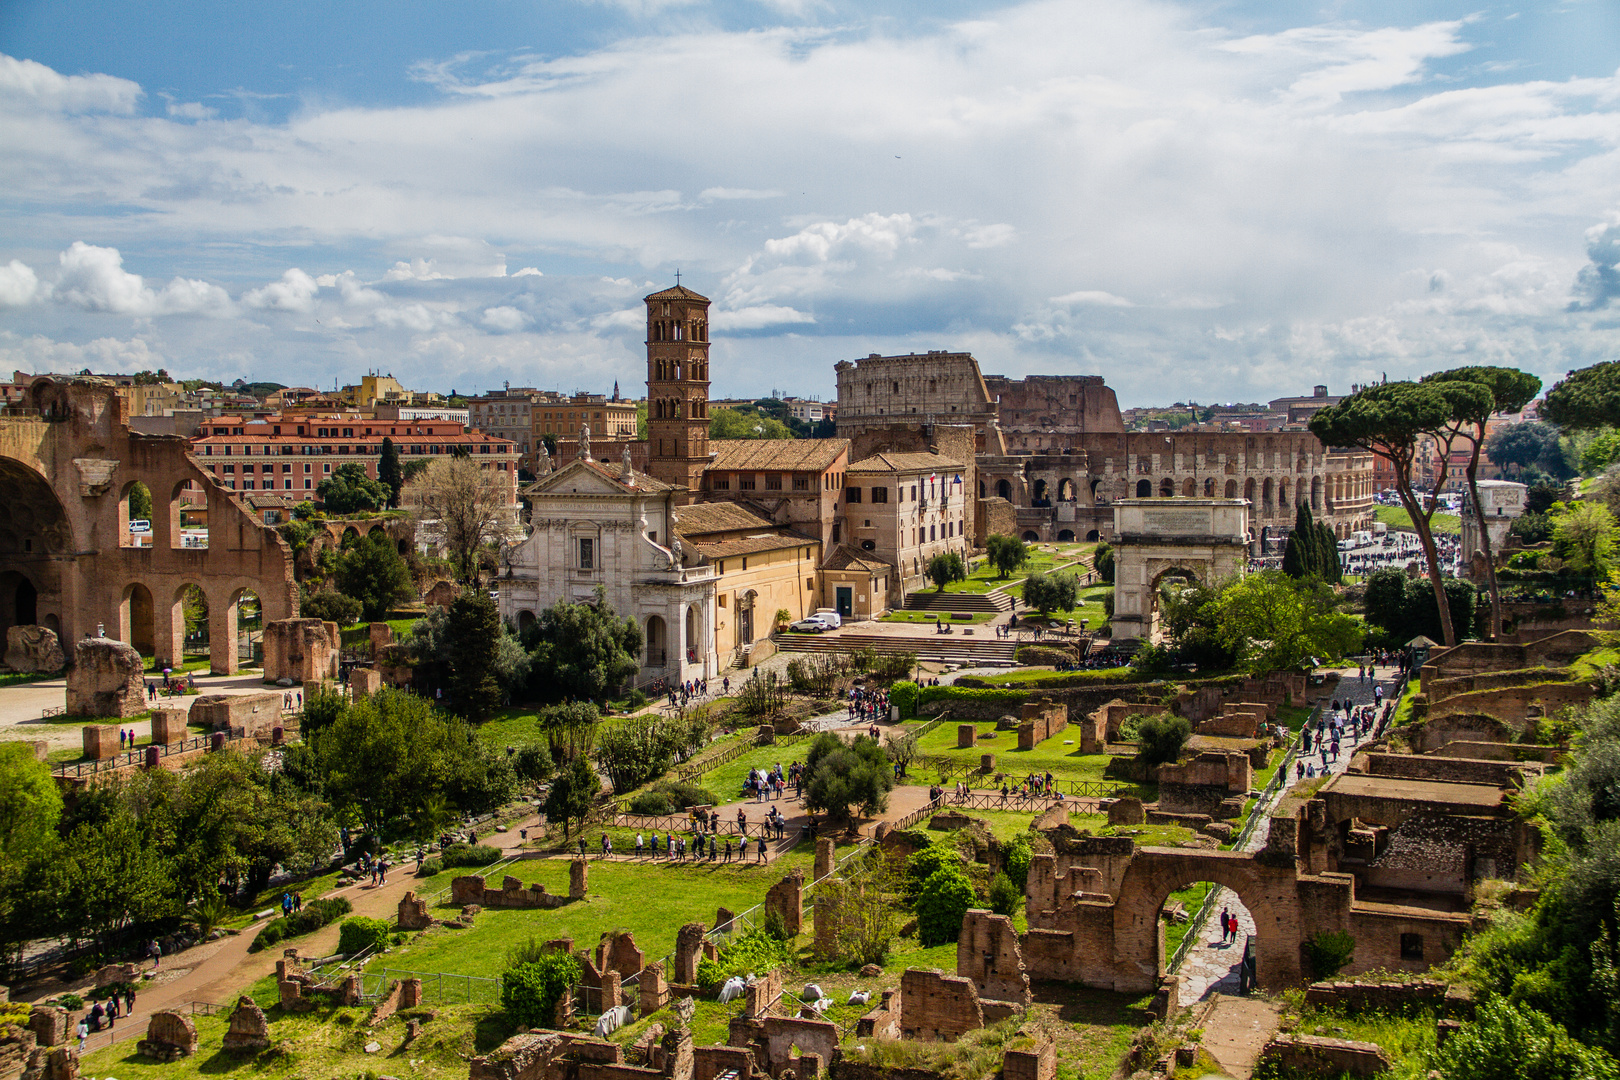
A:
{"x":930,"y":617}
{"x":726,"y":781}
{"x":511,"y":727}
{"x":1090,"y":606}
{"x":22,"y":678}
{"x":1192,"y":898}
{"x":983,"y":577}
{"x":1040,"y":675}
{"x":1063,"y":762}
{"x":1396,"y":517}
{"x":361,"y":631}
{"x":651,"y":900}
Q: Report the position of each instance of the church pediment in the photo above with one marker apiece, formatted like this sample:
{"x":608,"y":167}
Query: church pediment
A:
{"x":579,"y":478}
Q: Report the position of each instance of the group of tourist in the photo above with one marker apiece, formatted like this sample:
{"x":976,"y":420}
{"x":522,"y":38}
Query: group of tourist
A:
{"x":710,"y":846}
{"x":291,"y":902}
{"x":376,"y":870}
{"x":102,"y":1014}
{"x":868,"y":703}
{"x":686,"y":692}
{"x":762,"y":785}
{"x":126,"y":739}
{"x":170,"y":685}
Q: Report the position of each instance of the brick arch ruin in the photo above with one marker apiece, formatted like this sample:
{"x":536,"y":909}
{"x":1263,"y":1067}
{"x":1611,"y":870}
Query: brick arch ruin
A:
{"x":67,"y":462}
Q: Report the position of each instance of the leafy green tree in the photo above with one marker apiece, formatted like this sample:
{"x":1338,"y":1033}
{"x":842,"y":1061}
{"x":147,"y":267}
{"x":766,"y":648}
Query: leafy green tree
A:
{"x":30,"y":808}
{"x":1527,"y":450}
{"x":1006,"y":553}
{"x":1583,"y":536}
{"x":1390,"y":420}
{"x":475,"y":634}
{"x":1159,"y":739}
{"x":842,"y":776}
{"x":1015,"y":861}
{"x":945,"y":568}
{"x":569,"y":729}
{"x":1103,"y":562}
{"x":1047,"y":593}
{"x":349,"y":490}
{"x":389,"y":473}
{"x":331,"y":606}
{"x":572,"y":793}
{"x":1005,"y":899}
{"x":1588,"y":398}
{"x":530,"y":991}
{"x":727,"y":423}
{"x":1600,"y":453}
{"x":1506,"y":1041}
{"x":1510,"y":391}
{"x":1328,"y":951}
{"x":140,"y":502}
{"x":372,"y":572}
{"x":942,"y":904}
{"x":581,"y":650}
{"x":1280,"y":623}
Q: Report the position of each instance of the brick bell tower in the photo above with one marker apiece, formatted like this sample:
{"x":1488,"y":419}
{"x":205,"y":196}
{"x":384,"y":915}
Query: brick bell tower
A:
{"x":678,"y":386}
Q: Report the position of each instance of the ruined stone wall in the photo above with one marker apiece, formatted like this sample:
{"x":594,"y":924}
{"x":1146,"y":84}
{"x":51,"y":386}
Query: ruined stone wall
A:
{"x":511,"y":894}
{"x":1450,"y":769}
{"x":987,"y":952}
{"x":938,"y":1008}
{"x":303,"y":650}
{"x":1514,"y":702}
{"x":251,"y":714}
{"x":1474,"y":657}
{"x":1040,"y":720}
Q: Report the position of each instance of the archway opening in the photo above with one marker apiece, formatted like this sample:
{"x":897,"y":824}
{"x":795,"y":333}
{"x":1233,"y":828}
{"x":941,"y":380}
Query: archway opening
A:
{"x":1031,"y":536}
{"x":137,"y":619}
{"x":404,"y":547}
{"x":1066,"y":490}
{"x":657,"y":641}
{"x":248,"y":614}
{"x":188,"y":515}
{"x":1144,"y":489}
{"x":1065,"y":536}
{"x":1189,"y":487}
{"x":1167,"y":488}
{"x":351,"y":536}
{"x":694,"y":624}
{"x":1004,"y":489}
{"x":1231,"y":489}
{"x":194,"y":611}
{"x":1208,"y":955}
{"x":135,"y":516}
{"x":1092,"y":534}
{"x":1165,"y":586}
{"x":34,"y":532}
{"x":525,"y":620}
{"x":1039,"y":497}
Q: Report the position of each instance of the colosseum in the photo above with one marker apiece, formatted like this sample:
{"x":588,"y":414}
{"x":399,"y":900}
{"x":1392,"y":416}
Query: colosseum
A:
{"x":1056,"y":449}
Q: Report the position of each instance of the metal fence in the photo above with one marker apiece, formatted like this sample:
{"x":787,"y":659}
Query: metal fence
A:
{"x":438,"y":987}
{"x":918,"y":814}
{"x":132,"y":758}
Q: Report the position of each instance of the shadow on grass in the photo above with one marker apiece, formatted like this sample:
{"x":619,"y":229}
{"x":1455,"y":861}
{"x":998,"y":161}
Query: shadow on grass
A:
{"x":491,"y":1030}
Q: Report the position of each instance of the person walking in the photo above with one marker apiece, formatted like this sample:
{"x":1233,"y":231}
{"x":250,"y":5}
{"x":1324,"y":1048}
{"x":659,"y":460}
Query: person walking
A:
{"x":1226,"y":913}
{"x":155,"y":951}
{"x":761,"y":847}
{"x":84,"y":1032}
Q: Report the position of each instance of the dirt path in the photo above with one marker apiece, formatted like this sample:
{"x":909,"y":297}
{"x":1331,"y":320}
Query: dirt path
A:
{"x":218,"y":971}
{"x":1236,"y":1030}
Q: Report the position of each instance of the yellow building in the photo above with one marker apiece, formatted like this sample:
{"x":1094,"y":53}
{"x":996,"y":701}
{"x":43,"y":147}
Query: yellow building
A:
{"x":760,"y":569}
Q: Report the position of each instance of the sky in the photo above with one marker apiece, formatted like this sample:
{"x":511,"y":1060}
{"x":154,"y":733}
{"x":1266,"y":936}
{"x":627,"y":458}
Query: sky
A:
{"x":1209,"y":202}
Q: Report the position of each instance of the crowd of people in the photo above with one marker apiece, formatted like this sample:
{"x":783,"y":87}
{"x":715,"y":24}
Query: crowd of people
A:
{"x":868,"y":704}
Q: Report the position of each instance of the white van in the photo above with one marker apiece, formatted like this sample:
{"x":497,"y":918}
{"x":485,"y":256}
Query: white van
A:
{"x":828,"y":617}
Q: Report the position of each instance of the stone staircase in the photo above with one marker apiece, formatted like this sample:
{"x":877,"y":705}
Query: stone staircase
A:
{"x":934,"y":600}
{"x":955,"y":648}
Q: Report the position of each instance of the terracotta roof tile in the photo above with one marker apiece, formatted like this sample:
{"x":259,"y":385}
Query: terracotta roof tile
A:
{"x":891,"y":461}
{"x":714,"y":517}
{"x":796,"y":454}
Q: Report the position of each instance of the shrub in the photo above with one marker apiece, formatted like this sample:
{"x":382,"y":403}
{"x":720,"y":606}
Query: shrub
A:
{"x":904,"y":695}
{"x":533,"y":762}
{"x":467,"y":855}
{"x":530,"y":991}
{"x":651,"y":803}
{"x":330,"y":606}
{"x":1004,"y":896}
{"x":774,"y":926}
{"x":926,"y":863}
{"x":1015,"y":859}
{"x":360,"y":933}
{"x":942,"y":903}
{"x":1160,"y":738}
{"x":1326,"y":951}
{"x":893,"y":666}
{"x":316,"y":914}
{"x":634,"y":700}
{"x":1042,"y":656}
{"x":1511,"y":1042}
{"x":753,"y":953}
{"x":430,"y":867}
{"x":71,"y":1002}
{"x":668,"y":796}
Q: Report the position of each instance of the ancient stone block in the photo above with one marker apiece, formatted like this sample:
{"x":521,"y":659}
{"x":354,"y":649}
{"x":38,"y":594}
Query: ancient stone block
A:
{"x":249,"y":1029}
{"x":363,"y":682}
{"x":1312,"y":1055}
{"x":722,"y":920}
{"x":33,"y":649}
{"x":1031,"y":1063}
{"x":654,"y":989}
{"x":49,"y":1023}
{"x":413,"y":913}
{"x":938,"y":1008}
{"x":825,"y":857}
{"x":762,"y":993}
{"x":105,"y":679}
{"x":302,"y":650}
{"x":522,"y":1057}
{"x":410,"y":993}
{"x":688,"y":951}
{"x":101,"y":742}
{"x":824,"y":905}
{"x":169,"y":1036}
{"x":381,"y":635}
{"x":987,"y":952}
{"x":251,"y":714}
{"x":169,"y":725}
{"x":1127,"y":810}
{"x":618,"y":952}
{"x":786,"y":899}
{"x":987,"y":763}
{"x":966,"y":736}
{"x":883,"y":1022}
{"x":578,"y":879}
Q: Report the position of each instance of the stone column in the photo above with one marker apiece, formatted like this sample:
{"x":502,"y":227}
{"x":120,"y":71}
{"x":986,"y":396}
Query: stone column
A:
{"x":578,"y":877}
{"x":825,"y":851}
{"x":221,"y":635}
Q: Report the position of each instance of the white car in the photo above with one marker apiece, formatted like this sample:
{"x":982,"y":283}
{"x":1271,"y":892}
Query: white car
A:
{"x":815,"y":624}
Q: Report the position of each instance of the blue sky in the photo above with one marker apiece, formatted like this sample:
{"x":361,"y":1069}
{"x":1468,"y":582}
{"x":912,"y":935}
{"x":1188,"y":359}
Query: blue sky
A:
{"x":1207,"y":201}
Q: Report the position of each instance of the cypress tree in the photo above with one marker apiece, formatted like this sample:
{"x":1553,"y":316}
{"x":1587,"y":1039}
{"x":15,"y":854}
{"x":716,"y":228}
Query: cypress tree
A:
{"x":390,"y":473}
{"x":1300,"y":556}
{"x":1328,"y":545}
{"x":474,"y":633}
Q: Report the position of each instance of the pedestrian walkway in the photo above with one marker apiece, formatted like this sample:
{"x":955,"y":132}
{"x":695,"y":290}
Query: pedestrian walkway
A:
{"x":1212,"y":965}
{"x":1236,"y":1030}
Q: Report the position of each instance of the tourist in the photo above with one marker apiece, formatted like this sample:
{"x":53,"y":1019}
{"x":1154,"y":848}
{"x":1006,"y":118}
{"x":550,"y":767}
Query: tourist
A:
{"x":298,"y":901}
{"x":762,"y":847}
{"x":129,"y":1001}
{"x":728,"y":849}
{"x":653,"y":850}
{"x":638,"y":845}
{"x":155,"y":951}
{"x":97,"y":1012}
{"x":84,"y":1033}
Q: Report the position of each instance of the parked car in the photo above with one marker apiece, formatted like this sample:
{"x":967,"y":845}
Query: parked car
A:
{"x":815,"y":624}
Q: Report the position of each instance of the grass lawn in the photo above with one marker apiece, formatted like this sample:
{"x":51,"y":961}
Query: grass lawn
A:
{"x":1089,"y":606}
{"x":1038,"y":675}
{"x":652,"y":900}
{"x":1060,"y":755}
{"x":1396,"y":517}
{"x":930,"y":617}
{"x":1192,"y":898}
{"x":361,"y":631}
{"x":983,"y":577}
{"x":23,"y":678}
{"x":326,"y":1042}
{"x":726,"y":781}
{"x":511,"y":727}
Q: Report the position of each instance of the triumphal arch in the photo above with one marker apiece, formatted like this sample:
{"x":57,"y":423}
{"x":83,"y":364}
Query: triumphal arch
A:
{"x":1204,"y":539}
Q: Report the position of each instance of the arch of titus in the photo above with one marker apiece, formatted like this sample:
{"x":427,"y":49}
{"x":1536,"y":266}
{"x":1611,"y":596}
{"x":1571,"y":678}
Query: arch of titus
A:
{"x":1206,"y":538}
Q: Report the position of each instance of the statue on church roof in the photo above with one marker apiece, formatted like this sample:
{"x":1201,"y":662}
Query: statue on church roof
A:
{"x":585,"y":442}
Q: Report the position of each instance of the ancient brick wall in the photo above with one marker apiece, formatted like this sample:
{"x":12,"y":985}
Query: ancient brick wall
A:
{"x":1511,"y":703}
{"x":1450,"y":769}
{"x":303,"y":650}
{"x":512,"y":894}
{"x":251,"y":714}
{"x":987,"y":952}
{"x":938,"y":1008}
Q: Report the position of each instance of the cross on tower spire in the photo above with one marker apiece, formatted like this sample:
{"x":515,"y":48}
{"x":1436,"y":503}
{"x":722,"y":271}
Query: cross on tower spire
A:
{"x":677,"y":277}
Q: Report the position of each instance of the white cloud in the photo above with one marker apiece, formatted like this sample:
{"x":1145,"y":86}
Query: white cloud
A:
{"x":1092,"y":296}
{"x":528,"y":271}
{"x":31,"y":83}
{"x":191,"y":110}
{"x":756,"y":318}
{"x":505,"y":319}
{"x":19,"y":285}
{"x":94,"y":278}
{"x":739,"y":193}
{"x":417,"y":317}
{"x":294,"y":292}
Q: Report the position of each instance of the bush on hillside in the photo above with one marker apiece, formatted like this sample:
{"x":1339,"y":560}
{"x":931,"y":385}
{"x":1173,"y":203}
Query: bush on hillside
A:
{"x":1004,"y":896}
{"x":530,"y":991}
{"x":903,"y":695}
{"x":669,"y":796}
{"x":942,"y":903}
{"x":360,"y":933}
{"x":430,"y":867}
{"x":316,"y":914}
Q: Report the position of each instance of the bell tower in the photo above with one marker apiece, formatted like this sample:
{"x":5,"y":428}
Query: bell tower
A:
{"x":678,"y":386}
